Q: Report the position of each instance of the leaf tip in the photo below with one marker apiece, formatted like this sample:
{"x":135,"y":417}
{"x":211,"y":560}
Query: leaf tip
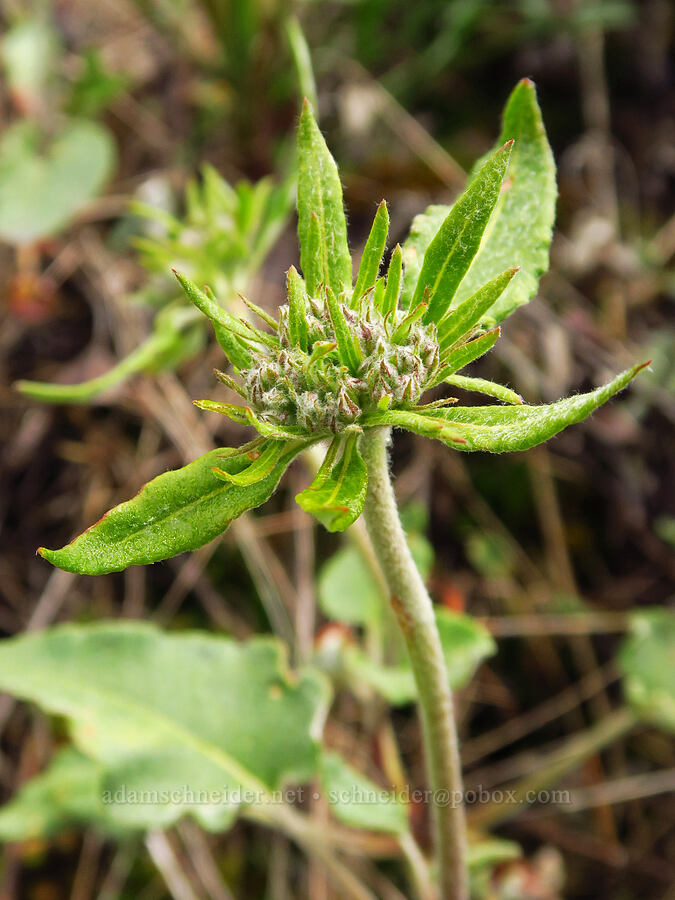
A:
{"x":526,"y":82}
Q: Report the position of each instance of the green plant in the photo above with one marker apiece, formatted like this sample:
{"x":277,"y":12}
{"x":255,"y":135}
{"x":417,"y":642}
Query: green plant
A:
{"x":222,"y":239}
{"x":343,"y":364}
{"x":55,"y":159}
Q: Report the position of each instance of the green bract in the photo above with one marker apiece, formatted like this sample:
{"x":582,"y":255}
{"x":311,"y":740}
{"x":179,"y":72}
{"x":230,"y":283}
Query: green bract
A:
{"x":344,"y":356}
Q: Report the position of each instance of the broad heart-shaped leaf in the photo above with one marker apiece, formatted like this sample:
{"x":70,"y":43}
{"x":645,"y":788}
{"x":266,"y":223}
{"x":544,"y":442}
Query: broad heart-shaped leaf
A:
{"x":338,"y":492}
{"x":519,"y":233}
{"x":179,"y":510}
{"x":175,"y":719}
{"x":452,"y":250}
{"x":465,"y":644}
{"x":40,"y":191}
{"x":69,"y":792}
{"x":357,"y":801}
{"x":320,"y":193}
{"x":647,"y":661}
{"x":503,"y":429}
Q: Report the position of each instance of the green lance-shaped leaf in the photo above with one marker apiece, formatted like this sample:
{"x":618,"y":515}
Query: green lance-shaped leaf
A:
{"x":454,"y":360}
{"x":461,"y":320}
{"x":519,"y":233}
{"x":503,"y":429}
{"x":233,"y":411}
{"x":320,"y":192}
{"x":206,"y":303}
{"x":349,"y":350}
{"x":481,"y":386}
{"x":378,"y":293}
{"x":177,"y":511}
{"x":262,"y":461}
{"x":338,"y":492}
{"x":465,"y":642}
{"x":647,"y":662}
{"x":424,"y":228}
{"x":391,"y":294}
{"x":134,"y":699}
{"x":358,"y":802}
{"x":233,"y":347}
{"x":174,"y":337}
{"x":452,"y":250}
{"x":372,"y":253}
{"x":67,"y":793}
{"x":314,"y":265}
{"x":402,"y":330}
{"x":297,"y":309}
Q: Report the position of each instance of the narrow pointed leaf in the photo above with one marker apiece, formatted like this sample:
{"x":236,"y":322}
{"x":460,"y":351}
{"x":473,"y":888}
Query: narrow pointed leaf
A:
{"x":229,"y":382}
{"x":177,"y":511}
{"x":393,"y":289}
{"x":461,"y":320}
{"x":519,"y":233}
{"x":297,"y":309}
{"x":233,"y":411}
{"x":134,"y":698}
{"x":261,"y":313}
{"x":424,"y":228}
{"x":219,"y":316}
{"x":372,"y":254}
{"x":378,"y":294}
{"x":423,"y":422}
{"x":481,"y":386}
{"x":338,"y":492}
{"x":233,"y":347}
{"x":452,"y":250}
{"x":265,"y":460}
{"x":270,"y":430}
{"x":467,"y":353}
{"x":348,"y":348}
{"x":402,"y":330}
{"x":314,"y":266}
{"x":319,"y":350}
{"x":504,"y":429}
{"x":320,"y":192}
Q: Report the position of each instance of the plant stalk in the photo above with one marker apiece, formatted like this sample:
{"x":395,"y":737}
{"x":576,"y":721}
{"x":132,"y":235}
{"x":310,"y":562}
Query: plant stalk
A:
{"x":414,"y":611}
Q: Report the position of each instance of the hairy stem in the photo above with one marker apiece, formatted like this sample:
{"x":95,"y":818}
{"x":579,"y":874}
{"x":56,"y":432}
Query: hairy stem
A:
{"x":414,"y":612}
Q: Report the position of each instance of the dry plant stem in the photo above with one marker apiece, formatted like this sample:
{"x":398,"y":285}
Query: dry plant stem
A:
{"x":309,"y":836}
{"x":414,"y":611}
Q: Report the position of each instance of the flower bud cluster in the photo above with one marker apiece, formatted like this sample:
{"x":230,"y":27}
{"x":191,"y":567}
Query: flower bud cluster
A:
{"x":315,"y":391}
